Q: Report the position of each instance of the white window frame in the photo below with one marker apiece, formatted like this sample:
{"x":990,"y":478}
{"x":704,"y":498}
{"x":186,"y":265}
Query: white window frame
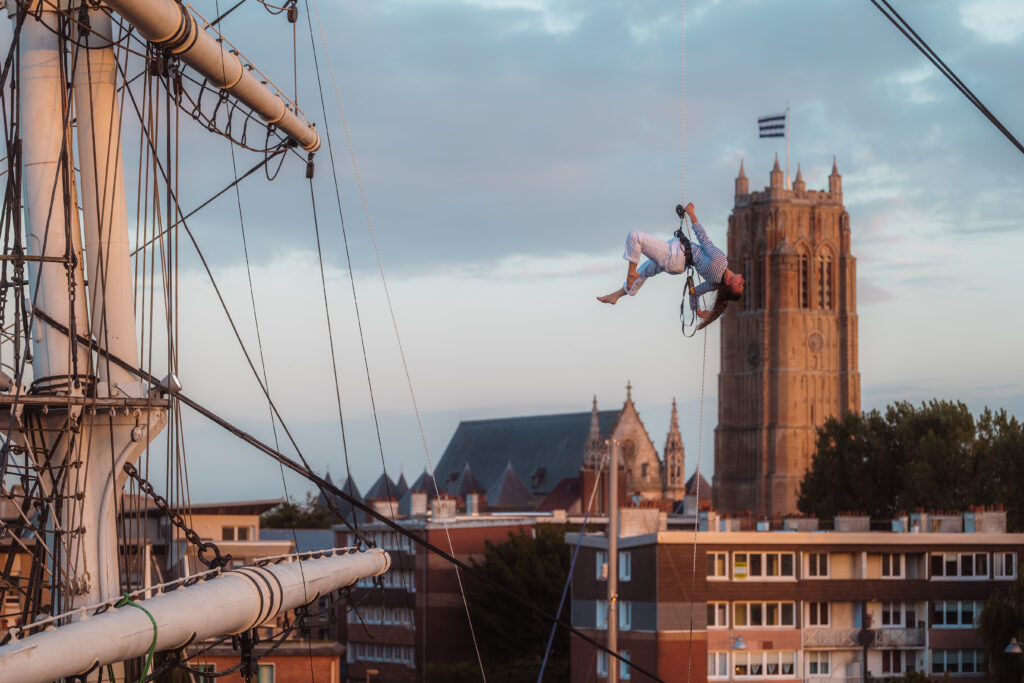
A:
{"x":958,"y":560}
{"x":999,"y":561}
{"x":718,"y":665}
{"x":819,"y":663}
{"x":892,"y":557}
{"x":761,"y":661}
{"x":896,"y":664}
{"x":601,"y":565}
{"x":625,"y":615}
{"x":976,"y":607}
{"x":817,"y":559}
{"x":718,"y":609}
{"x":764,"y":560}
{"x":602,"y":665}
{"x":748,"y":607}
{"x":625,"y":565}
{"x":814,"y":611}
{"x":714,"y":558}
{"x":899,"y":618}
{"x":602,"y":615}
{"x":261,"y":667}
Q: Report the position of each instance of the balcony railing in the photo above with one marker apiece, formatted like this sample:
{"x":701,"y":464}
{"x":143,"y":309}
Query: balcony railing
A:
{"x":898,"y":637}
{"x":831,"y":637}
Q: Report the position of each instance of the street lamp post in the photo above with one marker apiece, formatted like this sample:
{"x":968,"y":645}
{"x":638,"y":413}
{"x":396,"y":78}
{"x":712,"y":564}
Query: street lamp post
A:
{"x":735,"y":643}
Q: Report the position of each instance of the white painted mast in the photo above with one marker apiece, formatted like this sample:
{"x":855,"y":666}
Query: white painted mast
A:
{"x":228,"y":604}
{"x":171,"y":25}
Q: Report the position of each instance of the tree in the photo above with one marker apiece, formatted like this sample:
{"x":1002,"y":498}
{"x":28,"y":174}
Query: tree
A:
{"x":512,"y":638}
{"x":290,"y":515}
{"x":1001,"y":619}
{"x":935,"y":456}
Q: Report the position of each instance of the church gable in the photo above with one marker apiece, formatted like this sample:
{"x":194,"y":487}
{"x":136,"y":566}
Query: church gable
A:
{"x":638,"y":455}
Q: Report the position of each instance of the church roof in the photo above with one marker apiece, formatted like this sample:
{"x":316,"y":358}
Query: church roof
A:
{"x":705,"y":487}
{"x":465,"y":483}
{"x":509,"y":491}
{"x":401,"y":487}
{"x":543,"y":449}
{"x":382,"y":488}
{"x":565,"y":496}
{"x":344,"y":507}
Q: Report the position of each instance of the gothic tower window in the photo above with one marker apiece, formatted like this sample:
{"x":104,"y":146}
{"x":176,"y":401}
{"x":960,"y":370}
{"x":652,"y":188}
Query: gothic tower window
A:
{"x":760,"y":285}
{"x":825,"y":294}
{"x":804,"y":279}
{"x":745,"y":302}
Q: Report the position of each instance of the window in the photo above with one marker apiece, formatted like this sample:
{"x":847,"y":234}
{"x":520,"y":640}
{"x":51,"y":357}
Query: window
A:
{"x":892,"y":661}
{"x":227,"y":533}
{"x":390,"y":616}
{"x":892,"y":566}
{"x":804,"y":276}
{"x":602,"y":614}
{"x":718,"y":614}
{"x":959,"y":565}
{"x":718,"y":664}
{"x":234,"y":533}
{"x":899,"y":615}
{"x":956,"y":661}
{"x":625,"y":565}
{"x":764,"y":664}
{"x":817,"y":614}
{"x":602,"y":665}
{"x":625,"y":615}
{"x":381,"y":652}
{"x":1004,"y":565}
{"x":718,"y":565}
{"x":763,"y":614}
{"x":763,"y":565}
{"x":817,"y":564}
{"x":601,"y":565}
{"x":953,"y":614}
{"x":265,"y":673}
{"x":205,"y":668}
{"x":817,"y":663}
{"x":825,"y":281}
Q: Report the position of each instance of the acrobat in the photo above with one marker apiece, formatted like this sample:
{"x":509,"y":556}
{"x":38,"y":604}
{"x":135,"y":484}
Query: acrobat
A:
{"x":671,"y":257}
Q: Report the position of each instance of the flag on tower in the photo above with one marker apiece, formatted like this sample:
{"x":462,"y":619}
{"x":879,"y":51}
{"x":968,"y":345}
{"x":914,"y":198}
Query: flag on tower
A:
{"x":773,"y":126}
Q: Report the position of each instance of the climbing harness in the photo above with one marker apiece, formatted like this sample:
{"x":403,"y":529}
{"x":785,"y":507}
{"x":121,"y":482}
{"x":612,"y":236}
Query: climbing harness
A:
{"x":687,"y":317}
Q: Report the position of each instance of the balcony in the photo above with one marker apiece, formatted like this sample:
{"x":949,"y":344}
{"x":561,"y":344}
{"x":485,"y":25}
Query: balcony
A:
{"x":824,"y":638}
{"x":895,"y":638}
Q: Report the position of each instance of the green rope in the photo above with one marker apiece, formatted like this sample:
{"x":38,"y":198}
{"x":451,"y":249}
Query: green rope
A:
{"x":127,"y":600}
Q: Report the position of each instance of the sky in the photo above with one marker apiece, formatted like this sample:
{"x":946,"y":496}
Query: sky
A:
{"x":493,"y":155}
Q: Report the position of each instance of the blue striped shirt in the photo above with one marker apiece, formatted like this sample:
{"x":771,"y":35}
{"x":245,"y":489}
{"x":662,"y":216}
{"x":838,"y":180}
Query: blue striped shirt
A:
{"x":709,"y":261}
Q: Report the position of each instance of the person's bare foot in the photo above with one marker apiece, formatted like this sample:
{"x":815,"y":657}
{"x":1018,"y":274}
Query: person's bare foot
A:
{"x":613,"y":297}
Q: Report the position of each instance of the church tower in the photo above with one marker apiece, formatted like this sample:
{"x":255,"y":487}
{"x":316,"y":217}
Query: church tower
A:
{"x":675,"y":460}
{"x":789,"y":347}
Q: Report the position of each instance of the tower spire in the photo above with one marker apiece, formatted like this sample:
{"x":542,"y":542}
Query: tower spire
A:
{"x":675,"y":459}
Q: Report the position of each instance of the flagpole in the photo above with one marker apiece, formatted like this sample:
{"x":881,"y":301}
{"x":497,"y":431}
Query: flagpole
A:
{"x":788,"y":186}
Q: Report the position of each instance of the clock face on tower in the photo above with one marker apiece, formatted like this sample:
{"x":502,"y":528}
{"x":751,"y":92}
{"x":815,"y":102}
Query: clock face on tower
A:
{"x":815,"y":341}
{"x":753,"y":355}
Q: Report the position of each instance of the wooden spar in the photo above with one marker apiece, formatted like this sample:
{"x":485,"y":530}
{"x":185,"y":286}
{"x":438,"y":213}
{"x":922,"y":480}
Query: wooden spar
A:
{"x":230,"y":603}
{"x":170,"y":25}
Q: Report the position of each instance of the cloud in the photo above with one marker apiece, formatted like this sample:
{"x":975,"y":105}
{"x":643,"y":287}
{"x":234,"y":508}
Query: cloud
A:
{"x":994,"y":21}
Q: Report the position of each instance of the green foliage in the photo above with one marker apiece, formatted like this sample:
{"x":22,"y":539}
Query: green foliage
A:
{"x":512,"y":638}
{"x":290,"y":515}
{"x":453,"y":672}
{"x":915,"y":677}
{"x":935,"y":457}
{"x":1002,"y":619}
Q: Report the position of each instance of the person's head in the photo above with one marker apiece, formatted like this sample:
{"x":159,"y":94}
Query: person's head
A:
{"x":734,"y":283}
{"x":729,"y":289}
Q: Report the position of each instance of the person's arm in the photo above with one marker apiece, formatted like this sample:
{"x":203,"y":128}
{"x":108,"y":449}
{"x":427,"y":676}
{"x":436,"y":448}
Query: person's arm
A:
{"x":698,"y":229}
{"x":700,"y":290}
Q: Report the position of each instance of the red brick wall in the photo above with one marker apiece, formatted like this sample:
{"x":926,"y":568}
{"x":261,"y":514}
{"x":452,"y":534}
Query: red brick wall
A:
{"x":287,"y":668}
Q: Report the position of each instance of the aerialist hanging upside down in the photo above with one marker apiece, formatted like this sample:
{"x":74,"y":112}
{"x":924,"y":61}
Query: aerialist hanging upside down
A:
{"x":709,"y":261}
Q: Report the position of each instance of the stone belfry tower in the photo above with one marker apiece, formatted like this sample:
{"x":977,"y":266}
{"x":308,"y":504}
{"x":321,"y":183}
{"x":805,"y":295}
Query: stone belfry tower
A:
{"x":675,"y":460}
{"x":789,"y":347}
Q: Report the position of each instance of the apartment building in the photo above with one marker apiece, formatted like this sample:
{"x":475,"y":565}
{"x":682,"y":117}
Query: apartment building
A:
{"x":413,"y":615}
{"x":788,"y":605}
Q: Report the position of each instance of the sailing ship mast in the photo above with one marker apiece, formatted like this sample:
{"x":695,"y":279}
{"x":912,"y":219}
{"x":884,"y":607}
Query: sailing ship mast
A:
{"x":84,"y":418}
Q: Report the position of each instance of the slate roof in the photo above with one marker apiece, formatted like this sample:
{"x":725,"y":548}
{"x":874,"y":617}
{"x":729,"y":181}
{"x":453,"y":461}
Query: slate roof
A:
{"x":466,"y":483}
{"x":306,"y":540}
{"x":548,"y":446}
{"x":509,"y":491}
{"x":705,"y":487}
{"x":566,"y":496}
{"x":382,"y":488}
{"x":344,"y":507}
{"x":401,"y":487}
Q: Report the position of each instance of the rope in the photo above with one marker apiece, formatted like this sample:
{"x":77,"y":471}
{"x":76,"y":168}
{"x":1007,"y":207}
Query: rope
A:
{"x":127,"y":600}
{"x":387,"y":294}
{"x":305,"y":471}
{"x":696,"y":478}
{"x":572,"y":566}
